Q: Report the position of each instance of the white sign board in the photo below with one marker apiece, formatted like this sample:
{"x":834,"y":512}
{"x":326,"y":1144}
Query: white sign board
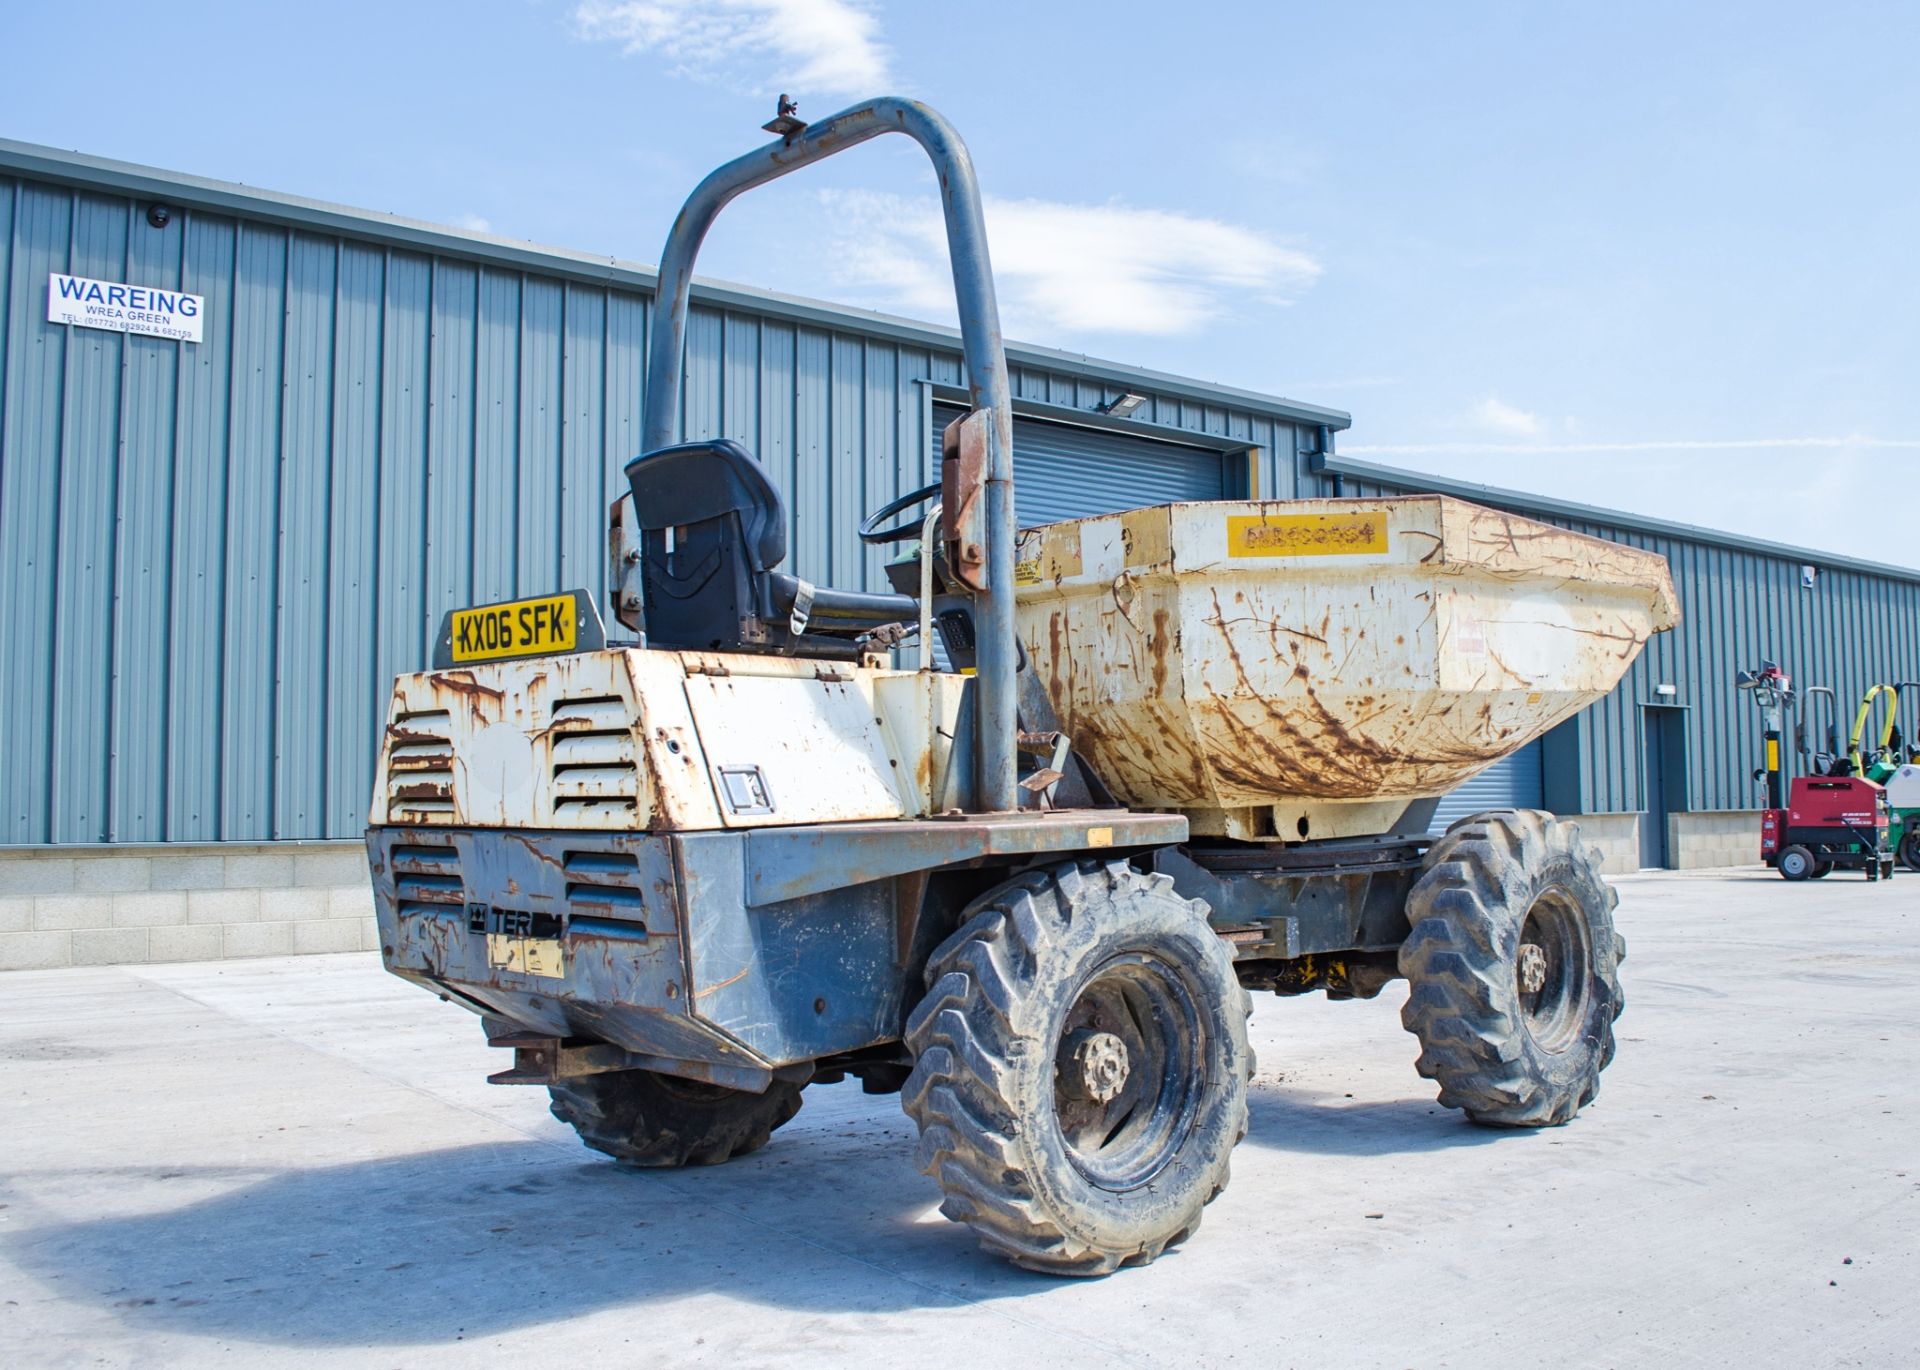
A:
{"x":124,"y":308}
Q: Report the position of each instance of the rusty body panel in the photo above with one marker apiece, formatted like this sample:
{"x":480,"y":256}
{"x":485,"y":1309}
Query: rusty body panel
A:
{"x":626,"y":739}
{"x":1304,"y":669}
{"x":719,"y":955}
{"x":723,"y":865}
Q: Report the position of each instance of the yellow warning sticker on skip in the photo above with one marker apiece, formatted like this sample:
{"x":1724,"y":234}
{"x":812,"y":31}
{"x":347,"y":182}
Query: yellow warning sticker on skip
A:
{"x":1307,"y":535}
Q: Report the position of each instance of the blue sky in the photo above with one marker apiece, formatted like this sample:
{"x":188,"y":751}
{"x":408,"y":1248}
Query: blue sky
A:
{"x":1660,"y":257}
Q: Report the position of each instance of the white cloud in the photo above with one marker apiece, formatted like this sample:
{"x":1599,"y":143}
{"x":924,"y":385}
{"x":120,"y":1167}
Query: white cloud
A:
{"x":828,"y":47}
{"x":1068,"y":268}
{"x":473,"y":223}
{"x":1497,"y":416}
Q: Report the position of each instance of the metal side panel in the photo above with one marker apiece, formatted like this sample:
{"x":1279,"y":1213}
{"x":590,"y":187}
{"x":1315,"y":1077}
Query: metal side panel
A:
{"x":793,"y":980}
{"x":784,"y":864}
{"x":797,"y":749}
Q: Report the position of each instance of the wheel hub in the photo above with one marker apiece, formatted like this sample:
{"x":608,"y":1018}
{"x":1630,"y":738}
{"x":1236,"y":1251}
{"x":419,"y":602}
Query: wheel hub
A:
{"x":1531,"y":968}
{"x":1552,"y":971}
{"x":1094,"y":1066}
{"x":1129,"y":1070}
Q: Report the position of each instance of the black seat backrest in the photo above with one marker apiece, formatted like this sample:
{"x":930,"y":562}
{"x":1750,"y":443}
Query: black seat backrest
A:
{"x":711,"y":527}
{"x":713,"y":532}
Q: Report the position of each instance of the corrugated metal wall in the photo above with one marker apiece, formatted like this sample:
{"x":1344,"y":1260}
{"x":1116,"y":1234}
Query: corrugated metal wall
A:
{"x":1852,"y":630}
{"x":1515,"y":781}
{"x":1076,"y":472}
{"x":217,"y":555}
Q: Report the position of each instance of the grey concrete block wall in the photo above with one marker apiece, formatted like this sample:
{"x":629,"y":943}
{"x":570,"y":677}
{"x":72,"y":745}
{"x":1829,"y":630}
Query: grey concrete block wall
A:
{"x":1724,"y":837}
{"x":126,"y":905}
{"x":1617,"y":835}
{"x":112,"y":906}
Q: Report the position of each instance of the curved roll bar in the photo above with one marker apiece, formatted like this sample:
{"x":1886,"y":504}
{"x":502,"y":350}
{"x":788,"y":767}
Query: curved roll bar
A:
{"x":981,"y":344}
{"x":1910,"y":741}
{"x":1856,"y":739}
{"x":1811,"y":755}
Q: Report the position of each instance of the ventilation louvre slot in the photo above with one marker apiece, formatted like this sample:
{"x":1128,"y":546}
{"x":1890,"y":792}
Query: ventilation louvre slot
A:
{"x":595,"y":777}
{"x":430,"y":889}
{"x":604,"y":880}
{"x":420,"y":767}
{"x":410,"y":859}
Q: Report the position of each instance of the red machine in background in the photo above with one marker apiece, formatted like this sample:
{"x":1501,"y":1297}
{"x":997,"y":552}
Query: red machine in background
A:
{"x":1827,"y":819}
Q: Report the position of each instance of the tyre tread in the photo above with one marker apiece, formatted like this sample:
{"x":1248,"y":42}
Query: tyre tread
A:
{"x":1462,"y":1007}
{"x":966,"y":1047}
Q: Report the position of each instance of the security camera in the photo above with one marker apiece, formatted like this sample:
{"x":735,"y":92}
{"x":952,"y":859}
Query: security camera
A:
{"x":159,"y":215}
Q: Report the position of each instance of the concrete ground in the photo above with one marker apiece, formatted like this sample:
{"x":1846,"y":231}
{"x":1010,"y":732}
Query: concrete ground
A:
{"x":296,"y":1161}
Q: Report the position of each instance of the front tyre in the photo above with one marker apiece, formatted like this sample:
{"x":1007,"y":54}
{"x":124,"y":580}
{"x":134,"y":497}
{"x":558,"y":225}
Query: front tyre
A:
{"x":1910,"y":849}
{"x":1080,"y":1068}
{"x":1513,"y":962}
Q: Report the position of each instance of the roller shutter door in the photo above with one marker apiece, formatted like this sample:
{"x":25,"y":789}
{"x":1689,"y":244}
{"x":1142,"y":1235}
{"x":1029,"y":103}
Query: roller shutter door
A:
{"x":1515,"y":782}
{"x":1064,"y":472}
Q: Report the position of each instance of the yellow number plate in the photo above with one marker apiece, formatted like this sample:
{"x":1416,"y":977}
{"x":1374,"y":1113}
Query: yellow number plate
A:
{"x":1307,"y":535}
{"x":521,"y":627}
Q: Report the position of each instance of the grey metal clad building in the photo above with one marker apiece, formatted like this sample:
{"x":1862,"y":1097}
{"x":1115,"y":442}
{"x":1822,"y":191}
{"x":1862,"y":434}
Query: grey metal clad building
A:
{"x":215,"y":554}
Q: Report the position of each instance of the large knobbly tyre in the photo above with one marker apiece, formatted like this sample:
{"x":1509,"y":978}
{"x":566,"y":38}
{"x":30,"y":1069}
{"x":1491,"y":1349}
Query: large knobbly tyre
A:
{"x":646,"y":1119}
{"x":1080,"y":1068}
{"x":1513,"y":962}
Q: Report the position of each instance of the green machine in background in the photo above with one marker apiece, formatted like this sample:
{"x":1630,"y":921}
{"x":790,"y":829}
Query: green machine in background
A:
{"x":1891,"y":763}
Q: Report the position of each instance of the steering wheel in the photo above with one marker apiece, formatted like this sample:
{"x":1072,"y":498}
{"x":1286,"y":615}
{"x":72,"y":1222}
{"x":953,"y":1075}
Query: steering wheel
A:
{"x":875,"y":536}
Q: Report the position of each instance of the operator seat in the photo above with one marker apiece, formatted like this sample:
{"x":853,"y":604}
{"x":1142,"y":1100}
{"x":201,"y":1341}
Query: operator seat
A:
{"x":713,"y":530}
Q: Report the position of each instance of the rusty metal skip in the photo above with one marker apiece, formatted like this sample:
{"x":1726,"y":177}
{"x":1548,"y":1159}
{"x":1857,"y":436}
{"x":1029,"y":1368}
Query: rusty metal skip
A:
{"x":1179,"y":753}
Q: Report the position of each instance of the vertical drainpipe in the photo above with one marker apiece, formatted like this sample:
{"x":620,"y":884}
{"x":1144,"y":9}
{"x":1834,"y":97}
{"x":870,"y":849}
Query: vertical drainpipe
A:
{"x":1325,"y":436}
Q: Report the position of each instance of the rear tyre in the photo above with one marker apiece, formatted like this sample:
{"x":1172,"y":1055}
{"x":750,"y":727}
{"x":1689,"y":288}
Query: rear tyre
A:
{"x":643,"y":1118}
{"x":1080,"y":1068}
{"x":1796,"y":864}
{"x":1910,"y":849}
{"x":1514,"y":967}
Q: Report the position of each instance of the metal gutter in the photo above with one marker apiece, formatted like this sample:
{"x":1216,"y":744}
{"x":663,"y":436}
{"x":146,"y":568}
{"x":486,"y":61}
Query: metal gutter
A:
{"x":1046,"y":410}
{"x":1521,"y":502}
{"x":226,"y":197}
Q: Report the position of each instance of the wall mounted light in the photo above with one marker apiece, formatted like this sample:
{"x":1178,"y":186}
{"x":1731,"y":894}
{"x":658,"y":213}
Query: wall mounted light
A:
{"x":1665,"y":691}
{"x":1123,"y":406}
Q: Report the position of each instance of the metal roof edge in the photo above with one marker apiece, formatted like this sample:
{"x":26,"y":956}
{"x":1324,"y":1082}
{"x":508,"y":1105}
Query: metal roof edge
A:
{"x":85,"y":170}
{"x":1335,"y":465}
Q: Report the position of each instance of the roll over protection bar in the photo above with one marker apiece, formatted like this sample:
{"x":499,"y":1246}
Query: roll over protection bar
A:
{"x":995,"y":760}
